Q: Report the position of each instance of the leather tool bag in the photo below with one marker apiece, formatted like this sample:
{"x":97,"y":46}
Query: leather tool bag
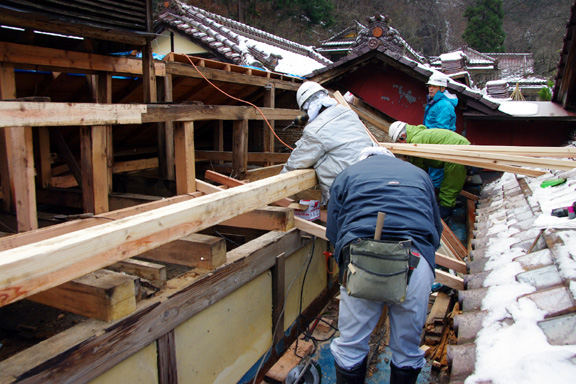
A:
{"x":378,"y":270}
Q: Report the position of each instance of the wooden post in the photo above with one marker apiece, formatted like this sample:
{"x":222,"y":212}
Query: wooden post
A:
{"x":184,"y":158}
{"x":45,"y":158}
{"x":18,"y":164}
{"x":167,"y":367}
{"x":268,"y":137}
{"x":240,"y":149}
{"x":166,"y":136}
{"x":219,"y":139}
{"x":94,"y":168}
{"x":149,"y":75}
{"x":22,"y":173}
{"x":7,"y":91}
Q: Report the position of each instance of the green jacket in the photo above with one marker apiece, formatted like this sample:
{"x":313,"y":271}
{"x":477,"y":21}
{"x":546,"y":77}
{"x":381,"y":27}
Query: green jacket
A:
{"x":454,"y":174}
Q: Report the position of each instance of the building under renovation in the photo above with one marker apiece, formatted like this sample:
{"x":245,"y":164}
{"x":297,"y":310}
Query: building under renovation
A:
{"x":148,"y":236}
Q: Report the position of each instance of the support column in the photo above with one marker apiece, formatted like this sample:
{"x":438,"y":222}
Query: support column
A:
{"x":94,"y":168}
{"x":240,"y":149}
{"x":18,"y":187}
{"x":268,"y":136}
{"x":185,"y":161}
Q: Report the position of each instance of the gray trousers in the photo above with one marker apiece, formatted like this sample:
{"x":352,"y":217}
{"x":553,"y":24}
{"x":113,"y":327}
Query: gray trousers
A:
{"x":358,"y":317}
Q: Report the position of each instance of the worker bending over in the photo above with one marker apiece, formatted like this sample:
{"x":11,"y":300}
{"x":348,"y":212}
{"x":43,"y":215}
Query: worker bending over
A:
{"x":375,"y":273}
{"x":454,"y":174}
{"x":331,"y":140}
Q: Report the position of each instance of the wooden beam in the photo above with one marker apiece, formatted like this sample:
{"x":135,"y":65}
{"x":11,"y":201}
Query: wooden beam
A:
{"x":264,"y":172}
{"x":93,"y":143}
{"x":240,"y":148}
{"x":268,"y":126}
{"x":454,"y":243}
{"x":153,"y":272}
{"x":33,"y":114}
{"x":7,"y":91}
{"x":44,"y":157}
{"x":184,"y":158}
{"x":195,"y":251}
{"x":32,"y":268}
{"x":304,"y":225}
{"x":167,"y":359}
{"x":197,"y":71}
{"x":22,"y":174}
{"x":71,"y":61}
{"x":449,"y":280}
{"x":451,"y":263}
{"x":103,"y":295}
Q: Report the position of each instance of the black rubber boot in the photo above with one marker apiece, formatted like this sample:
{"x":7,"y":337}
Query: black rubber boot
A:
{"x":404,"y":375}
{"x":355,"y":375}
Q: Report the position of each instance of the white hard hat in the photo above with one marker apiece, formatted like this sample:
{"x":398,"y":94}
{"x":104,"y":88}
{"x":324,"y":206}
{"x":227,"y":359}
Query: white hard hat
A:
{"x":306,"y":90}
{"x":438,"y":79}
{"x":396,"y":129}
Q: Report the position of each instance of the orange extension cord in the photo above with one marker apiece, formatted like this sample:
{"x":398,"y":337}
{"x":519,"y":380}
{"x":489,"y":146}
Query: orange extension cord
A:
{"x":242,"y":101}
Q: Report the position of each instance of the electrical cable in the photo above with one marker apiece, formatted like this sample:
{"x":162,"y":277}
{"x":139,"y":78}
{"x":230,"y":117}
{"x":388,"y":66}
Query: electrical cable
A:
{"x":240,"y":100}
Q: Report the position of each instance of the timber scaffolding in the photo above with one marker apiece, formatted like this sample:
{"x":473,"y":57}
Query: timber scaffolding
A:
{"x":163,"y":270}
{"x":164,"y":276}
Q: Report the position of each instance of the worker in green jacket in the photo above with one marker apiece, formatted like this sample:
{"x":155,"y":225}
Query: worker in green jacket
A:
{"x":454,"y":174}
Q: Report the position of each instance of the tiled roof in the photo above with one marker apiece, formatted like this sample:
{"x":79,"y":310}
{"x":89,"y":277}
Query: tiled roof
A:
{"x":237,"y":42}
{"x":385,"y":35}
{"x":524,"y":259}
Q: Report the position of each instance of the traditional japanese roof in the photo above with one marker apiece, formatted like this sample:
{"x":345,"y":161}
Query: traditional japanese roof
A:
{"x":384,"y":44}
{"x":238,"y":43}
{"x":519,"y":309}
{"x":342,"y":41}
{"x":378,"y":32}
{"x":564,"y":91}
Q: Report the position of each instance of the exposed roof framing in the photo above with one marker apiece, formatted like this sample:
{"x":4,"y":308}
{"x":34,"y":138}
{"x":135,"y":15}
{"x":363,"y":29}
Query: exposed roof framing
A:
{"x":127,"y":21}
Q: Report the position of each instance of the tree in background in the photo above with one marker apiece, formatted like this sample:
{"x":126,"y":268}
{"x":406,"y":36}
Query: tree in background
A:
{"x":484,"y":31}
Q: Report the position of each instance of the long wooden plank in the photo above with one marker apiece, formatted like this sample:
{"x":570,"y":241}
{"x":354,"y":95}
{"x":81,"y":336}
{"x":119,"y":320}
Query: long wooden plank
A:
{"x":449,"y":280}
{"x":455,"y":243}
{"x":451,"y":263}
{"x":21,"y":114}
{"x":304,"y":225}
{"x":558,"y":152}
{"x":447,"y":153}
{"x":39,"y":266}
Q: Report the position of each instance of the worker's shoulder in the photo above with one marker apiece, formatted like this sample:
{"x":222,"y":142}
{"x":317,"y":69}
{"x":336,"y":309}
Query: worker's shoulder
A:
{"x":333,"y":117}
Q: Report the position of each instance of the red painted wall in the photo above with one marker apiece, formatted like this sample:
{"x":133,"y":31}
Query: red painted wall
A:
{"x":403,"y":98}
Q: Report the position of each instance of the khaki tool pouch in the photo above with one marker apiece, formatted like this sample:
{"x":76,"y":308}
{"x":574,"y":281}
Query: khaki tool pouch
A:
{"x":378,"y":270}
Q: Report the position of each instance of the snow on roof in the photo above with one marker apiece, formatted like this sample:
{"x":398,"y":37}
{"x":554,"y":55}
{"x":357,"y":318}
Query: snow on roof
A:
{"x":241,"y":43}
{"x":527,"y":262}
{"x":456,"y":55}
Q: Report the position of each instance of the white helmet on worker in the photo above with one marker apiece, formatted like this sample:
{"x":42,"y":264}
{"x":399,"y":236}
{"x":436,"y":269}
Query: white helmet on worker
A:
{"x":438,"y":79}
{"x":307,"y":90}
{"x":396,"y":129}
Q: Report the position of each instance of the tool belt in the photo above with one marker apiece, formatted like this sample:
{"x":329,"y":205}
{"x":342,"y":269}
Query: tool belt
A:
{"x":377,"y":270}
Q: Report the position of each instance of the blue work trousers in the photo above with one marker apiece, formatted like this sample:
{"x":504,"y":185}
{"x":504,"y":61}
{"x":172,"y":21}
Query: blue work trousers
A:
{"x":358,"y":317}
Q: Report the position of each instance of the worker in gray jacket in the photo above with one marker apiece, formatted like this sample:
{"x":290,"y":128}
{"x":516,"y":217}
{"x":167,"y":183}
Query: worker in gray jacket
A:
{"x":332,"y":139}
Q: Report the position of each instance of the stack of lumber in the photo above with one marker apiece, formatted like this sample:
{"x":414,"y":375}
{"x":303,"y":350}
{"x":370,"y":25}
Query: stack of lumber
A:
{"x":527,"y":161}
